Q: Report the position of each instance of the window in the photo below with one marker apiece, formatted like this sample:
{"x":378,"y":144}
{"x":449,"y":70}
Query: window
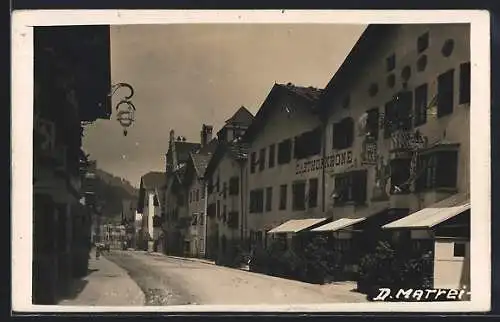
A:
{"x":398,"y":112}
{"x":234,"y":186}
{"x":211,"y":210}
{"x":390,"y":62}
{"x":445,"y":94}
{"x":403,"y":110}
{"x":197,"y":195}
{"x":372,"y":123}
{"x":283,"y":196}
{"x":423,"y":42}
{"x":308,"y":144}
{"x":351,"y":187}
{"x":285,"y":152}
{"x":202,"y":194}
{"x":253,"y":162}
{"x":272,"y":155}
{"x":465,"y":86}
{"x":257,"y":201}
{"x":437,"y":170}
{"x":313,"y":193}
{"x":343,"y":134}
{"x":420,"y":105}
{"x":458,"y":249}
{"x":298,"y":196}
{"x":269,"y":198}
{"x":210,"y":185}
{"x":232,"y":221}
{"x":400,"y":174}
{"x":262,"y":159}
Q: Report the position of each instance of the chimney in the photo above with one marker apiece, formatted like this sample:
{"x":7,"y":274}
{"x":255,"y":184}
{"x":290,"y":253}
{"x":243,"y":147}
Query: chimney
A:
{"x":206,"y":134}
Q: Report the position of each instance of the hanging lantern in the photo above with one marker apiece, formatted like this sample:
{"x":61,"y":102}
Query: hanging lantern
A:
{"x":125,"y":108}
{"x":125,"y":114}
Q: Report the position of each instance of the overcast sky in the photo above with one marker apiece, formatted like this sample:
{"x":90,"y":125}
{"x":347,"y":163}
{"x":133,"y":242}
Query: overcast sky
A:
{"x":186,"y":75}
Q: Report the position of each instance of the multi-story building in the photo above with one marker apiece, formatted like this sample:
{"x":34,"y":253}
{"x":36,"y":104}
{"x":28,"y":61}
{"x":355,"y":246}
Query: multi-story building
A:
{"x":285,"y":135}
{"x":72,"y":83}
{"x":176,"y":220}
{"x":196,"y":191}
{"x":224,"y":178}
{"x":397,"y":141}
{"x":150,"y":208}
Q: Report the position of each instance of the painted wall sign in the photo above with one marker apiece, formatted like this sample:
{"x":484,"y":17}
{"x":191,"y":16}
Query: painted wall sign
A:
{"x":334,"y":160}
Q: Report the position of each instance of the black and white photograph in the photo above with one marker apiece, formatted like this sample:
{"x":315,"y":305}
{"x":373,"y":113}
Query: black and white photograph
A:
{"x":251,"y":161}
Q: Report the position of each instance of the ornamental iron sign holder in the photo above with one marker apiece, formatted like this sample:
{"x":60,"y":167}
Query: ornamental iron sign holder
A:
{"x":125,"y":108}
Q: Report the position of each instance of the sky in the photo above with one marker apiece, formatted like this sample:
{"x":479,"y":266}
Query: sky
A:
{"x":185,"y":75}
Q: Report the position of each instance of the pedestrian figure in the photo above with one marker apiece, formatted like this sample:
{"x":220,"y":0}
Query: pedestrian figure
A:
{"x":97,"y":251}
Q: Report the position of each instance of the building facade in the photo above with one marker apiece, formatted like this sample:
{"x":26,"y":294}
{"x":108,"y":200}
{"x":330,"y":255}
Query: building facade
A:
{"x":397,"y":133}
{"x":224,"y":181}
{"x":149,"y":206}
{"x":285,"y":134}
{"x":195,"y":186}
{"x":68,"y":94}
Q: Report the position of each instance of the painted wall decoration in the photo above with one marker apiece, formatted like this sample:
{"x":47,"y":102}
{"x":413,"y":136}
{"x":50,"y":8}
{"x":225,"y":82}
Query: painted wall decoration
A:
{"x":335,"y":160}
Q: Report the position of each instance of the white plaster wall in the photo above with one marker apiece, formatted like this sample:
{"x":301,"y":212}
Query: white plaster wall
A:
{"x":456,"y":125}
{"x":226,"y":169}
{"x":450,"y":271}
{"x":279,"y":127}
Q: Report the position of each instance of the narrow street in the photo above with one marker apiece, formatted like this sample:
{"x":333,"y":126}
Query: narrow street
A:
{"x":171,"y":281}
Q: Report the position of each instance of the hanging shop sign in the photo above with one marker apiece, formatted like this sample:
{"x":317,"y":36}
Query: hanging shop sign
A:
{"x":332,"y":161}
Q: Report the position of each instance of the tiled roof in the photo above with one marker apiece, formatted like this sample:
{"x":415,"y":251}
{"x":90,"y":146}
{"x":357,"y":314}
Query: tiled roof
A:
{"x":310,"y":93}
{"x":241,"y":117}
{"x":153,"y":180}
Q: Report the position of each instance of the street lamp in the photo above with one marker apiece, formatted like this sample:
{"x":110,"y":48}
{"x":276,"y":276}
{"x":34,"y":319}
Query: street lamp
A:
{"x":125,"y":108}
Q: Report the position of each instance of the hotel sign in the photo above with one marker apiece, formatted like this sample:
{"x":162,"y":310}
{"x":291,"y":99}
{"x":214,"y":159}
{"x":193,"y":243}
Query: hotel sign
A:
{"x":332,"y":161}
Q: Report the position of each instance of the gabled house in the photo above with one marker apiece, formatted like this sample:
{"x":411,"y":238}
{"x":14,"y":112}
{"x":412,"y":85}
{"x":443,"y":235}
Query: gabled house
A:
{"x":285,"y":147}
{"x":150,"y":208}
{"x":224,"y":180}
{"x":176,"y":219}
{"x":397,"y":140}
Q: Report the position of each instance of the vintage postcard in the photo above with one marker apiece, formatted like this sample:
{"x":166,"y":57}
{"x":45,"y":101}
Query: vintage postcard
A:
{"x":260,"y":160}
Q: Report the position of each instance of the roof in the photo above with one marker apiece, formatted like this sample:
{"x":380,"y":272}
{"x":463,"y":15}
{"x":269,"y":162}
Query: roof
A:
{"x":153,"y":180}
{"x":183,"y":149}
{"x":357,"y":58}
{"x":435,"y":214}
{"x":310,"y":95}
{"x":241,"y":117}
{"x":236,"y":150}
{"x":296,"y":225}
{"x":338,"y":224}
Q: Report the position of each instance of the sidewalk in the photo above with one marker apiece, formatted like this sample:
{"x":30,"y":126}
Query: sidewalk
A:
{"x":106,"y":285}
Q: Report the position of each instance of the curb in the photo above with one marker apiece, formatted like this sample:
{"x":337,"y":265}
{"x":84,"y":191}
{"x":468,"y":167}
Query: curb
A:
{"x":194,"y":260}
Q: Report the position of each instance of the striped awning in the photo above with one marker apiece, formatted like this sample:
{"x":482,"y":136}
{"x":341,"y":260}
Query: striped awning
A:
{"x":296,"y":225}
{"x":433,"y":215}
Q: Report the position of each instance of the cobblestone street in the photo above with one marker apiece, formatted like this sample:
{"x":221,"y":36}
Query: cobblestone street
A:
{"x":174,"y":281}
